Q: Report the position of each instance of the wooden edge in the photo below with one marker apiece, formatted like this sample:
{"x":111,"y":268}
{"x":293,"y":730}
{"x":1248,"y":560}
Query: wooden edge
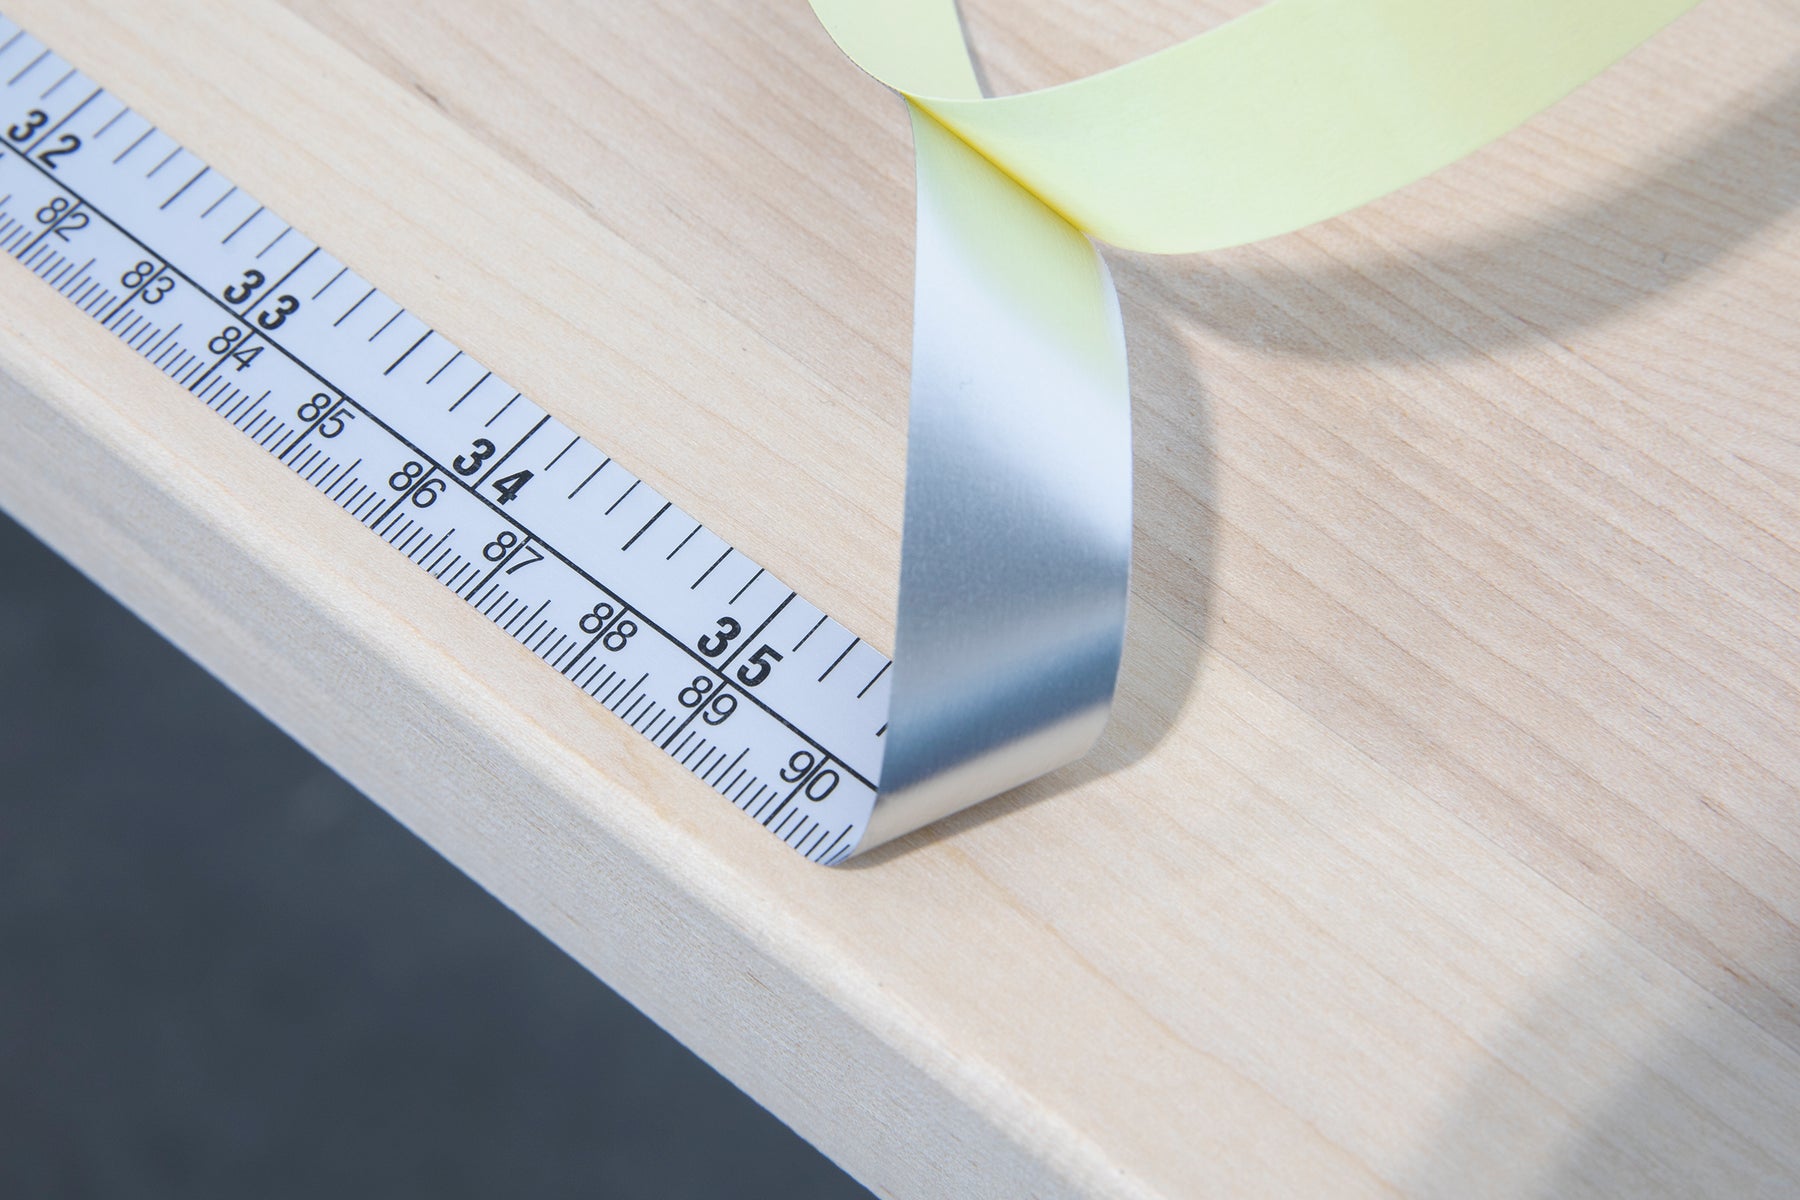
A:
{"x":305,"y":618}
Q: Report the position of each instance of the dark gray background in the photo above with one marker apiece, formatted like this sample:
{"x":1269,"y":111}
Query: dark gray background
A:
{"x":224,"y":973}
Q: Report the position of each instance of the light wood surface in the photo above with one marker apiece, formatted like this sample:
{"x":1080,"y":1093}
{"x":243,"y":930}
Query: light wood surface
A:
{"x":1444,"y":842}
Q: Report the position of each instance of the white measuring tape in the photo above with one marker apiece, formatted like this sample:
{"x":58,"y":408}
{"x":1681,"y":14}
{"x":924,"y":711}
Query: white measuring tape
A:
{"x":743,"y":682}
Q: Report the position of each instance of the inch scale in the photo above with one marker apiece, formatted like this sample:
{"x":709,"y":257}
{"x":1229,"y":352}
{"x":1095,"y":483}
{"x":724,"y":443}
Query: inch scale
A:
{"x":752,"y":689}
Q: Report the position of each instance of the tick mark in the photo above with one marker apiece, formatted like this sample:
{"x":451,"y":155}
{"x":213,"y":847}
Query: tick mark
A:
{"x":23,"y":71}
{"x":563,"y":451}
{"x":443,"y":368}
{"x":284,"y":232}
{"x":839,"y":658}
{"x":352,"y":309}
{"x":165,"y":162}
{"x":134,"y":145}
{"x":386,"y":323}
{"x":589,"y":479}
{"x":329,"y":282}
{"x":184,"y":187}
{"x":710,"y":569}
{"x":684,"y":541}
{"x":45,"y":94}
{"x":241,"y":225}
{"x":101,"y":132}
{"x":490,"y":421}
{"x":647,"y":524}
{"x":484,"y":378}
{"x":409,"y":350}
{"x":229,"y":193}
{"x":810,"y":632}
{"x":871,"y":683}
{"x":622,"y":495}
{"x":746,"y":587}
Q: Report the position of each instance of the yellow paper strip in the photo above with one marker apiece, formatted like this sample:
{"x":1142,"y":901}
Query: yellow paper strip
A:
{"x":1295,"y":112}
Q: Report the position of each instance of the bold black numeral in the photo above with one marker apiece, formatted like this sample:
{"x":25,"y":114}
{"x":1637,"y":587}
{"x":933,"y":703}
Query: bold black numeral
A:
{"x":799,"y":766}
{"x":507,"y":486}
{"x":35,"y":120}
{"x":757,"y":668}
{"x":237,"y":293}
{"x":68,"y":143}
{"x":714,"y":644}
{"x":479,"y":453}
{"x":285,"y":307}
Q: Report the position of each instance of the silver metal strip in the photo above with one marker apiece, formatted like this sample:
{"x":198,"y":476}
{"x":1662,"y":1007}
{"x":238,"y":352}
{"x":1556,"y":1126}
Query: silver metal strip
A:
{"x":1016,"y":556}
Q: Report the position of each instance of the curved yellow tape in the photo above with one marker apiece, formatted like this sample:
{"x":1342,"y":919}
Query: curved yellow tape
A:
{"x":1288,"y":115}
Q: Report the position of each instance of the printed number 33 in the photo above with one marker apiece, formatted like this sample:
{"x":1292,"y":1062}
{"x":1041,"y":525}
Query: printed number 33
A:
{"x":269,"y":318}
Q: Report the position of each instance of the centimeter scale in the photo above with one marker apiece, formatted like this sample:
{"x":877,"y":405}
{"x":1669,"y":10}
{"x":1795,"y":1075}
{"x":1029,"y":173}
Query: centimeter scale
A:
{"x":743,"y":682}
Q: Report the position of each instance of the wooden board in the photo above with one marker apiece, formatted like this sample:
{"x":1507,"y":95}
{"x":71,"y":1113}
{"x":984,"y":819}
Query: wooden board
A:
{"x":1445,"y":841}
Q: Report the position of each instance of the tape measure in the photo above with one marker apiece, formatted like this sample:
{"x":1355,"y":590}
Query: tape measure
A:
{"x":751,"y":688}
{"x":1017,"y":536}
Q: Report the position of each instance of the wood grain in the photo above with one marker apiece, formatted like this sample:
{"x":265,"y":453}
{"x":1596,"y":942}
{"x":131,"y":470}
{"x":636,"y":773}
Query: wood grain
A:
{"x":1444,"y":843}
